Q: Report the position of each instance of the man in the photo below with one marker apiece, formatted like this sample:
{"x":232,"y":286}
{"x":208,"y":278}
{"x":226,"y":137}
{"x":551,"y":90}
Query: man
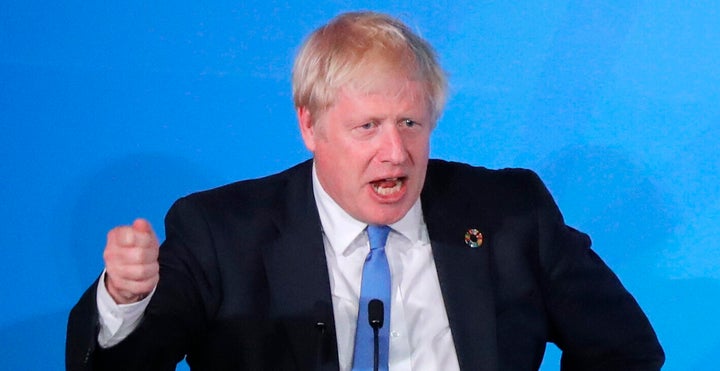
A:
{"x":270,"y":273}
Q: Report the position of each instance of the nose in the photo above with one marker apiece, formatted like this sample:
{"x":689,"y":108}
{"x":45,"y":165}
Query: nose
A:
{"x":392,"y":146}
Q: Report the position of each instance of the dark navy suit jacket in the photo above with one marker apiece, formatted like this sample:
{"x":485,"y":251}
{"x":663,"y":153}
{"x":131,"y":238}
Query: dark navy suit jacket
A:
{"x":244,"y":282}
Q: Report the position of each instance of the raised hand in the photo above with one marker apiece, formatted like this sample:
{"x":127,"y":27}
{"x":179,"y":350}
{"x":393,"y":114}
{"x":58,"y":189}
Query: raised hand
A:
{"x":131,"y":262}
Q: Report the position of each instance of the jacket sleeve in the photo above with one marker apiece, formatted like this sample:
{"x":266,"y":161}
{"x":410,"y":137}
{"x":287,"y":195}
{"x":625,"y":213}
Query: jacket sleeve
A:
{"x":175,"y":315}
{"x":594,"y":320}
{"x":82,"y":332}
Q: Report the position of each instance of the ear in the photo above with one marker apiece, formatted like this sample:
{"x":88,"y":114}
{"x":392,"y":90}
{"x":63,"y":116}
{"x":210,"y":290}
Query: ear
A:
{"x":307,"y":128}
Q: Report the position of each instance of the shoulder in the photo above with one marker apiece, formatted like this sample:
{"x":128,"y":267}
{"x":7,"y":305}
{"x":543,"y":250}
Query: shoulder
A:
{"x":254,"y":197}
{"x":462,"y":177}
{"x":458,"y":186}
{"x":252,"y":189}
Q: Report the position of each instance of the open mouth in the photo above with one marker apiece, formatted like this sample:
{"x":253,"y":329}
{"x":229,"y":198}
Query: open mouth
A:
{"x":389,"y":186}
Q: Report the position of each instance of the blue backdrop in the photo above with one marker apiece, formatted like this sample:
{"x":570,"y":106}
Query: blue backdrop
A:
{"x":111,"y":111}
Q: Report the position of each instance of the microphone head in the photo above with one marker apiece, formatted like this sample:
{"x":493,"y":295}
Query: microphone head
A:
{"x":376,"y":313}
{"x":322,"y":313}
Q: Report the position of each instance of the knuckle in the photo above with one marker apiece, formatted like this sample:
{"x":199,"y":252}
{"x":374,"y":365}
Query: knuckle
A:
{"x":140,"y":287}
{"x":153,"y":255}
{"x":136,"y":272}
{"x":147,"y":240}
{"x":111,"y":260}
{"x":150,"y":271}
{"x":132,"y":255}
{"x":107,"y":255}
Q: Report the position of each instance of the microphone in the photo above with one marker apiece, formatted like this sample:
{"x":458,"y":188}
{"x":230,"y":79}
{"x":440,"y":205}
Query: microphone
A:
{"x":376,"y":313}
{"x":321,"y":313}
{"x":376,"y":317}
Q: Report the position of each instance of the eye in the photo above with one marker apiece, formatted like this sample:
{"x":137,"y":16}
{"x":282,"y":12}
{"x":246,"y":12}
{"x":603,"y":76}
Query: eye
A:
{"x":409,"y":123}
{"x":367,"y":125}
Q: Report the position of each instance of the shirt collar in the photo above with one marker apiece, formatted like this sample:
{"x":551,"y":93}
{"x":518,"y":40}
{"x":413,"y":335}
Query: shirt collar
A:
{"x":341,"y":229}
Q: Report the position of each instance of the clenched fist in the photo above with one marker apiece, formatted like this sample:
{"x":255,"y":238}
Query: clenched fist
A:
{"x":131,"y":262}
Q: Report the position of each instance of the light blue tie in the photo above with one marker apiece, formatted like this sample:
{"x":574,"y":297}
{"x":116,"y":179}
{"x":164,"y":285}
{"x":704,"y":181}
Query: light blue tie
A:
{"x":375,"y":285}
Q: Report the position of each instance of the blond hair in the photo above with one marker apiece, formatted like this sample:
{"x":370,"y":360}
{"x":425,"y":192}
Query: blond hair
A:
{"x":360,"y":49}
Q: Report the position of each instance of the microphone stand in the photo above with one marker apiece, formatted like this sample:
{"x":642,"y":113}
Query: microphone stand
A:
{"x":376,"y":348}
{"x":376,"y":314}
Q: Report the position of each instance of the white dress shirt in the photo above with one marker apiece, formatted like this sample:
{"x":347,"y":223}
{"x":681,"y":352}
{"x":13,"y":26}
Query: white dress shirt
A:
{"x":420,"y":337}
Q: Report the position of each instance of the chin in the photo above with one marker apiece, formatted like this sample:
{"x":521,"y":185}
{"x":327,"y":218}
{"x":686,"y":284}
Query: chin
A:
{"x":388,"y":215}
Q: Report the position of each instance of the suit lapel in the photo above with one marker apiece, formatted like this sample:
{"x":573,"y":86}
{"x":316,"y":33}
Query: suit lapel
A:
{"x":465,"y":273}
{"x":299,"y":281}
{"x":298,"y":277}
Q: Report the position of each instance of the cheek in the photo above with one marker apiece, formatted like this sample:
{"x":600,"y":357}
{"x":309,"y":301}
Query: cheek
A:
{"x":419,"y":149}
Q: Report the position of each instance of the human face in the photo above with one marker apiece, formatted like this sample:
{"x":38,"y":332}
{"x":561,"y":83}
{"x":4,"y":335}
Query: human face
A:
{"x":371,"y":149}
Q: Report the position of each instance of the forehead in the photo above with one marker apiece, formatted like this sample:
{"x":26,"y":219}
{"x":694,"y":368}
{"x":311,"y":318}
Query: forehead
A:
{"x":390,"y":96}
{"x":379,"y":73}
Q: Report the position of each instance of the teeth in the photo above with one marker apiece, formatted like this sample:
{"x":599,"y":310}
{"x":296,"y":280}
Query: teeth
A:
{"x":382,"y":188}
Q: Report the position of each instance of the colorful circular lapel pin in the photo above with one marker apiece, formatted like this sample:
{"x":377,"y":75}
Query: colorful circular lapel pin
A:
{"x":473,"y":238}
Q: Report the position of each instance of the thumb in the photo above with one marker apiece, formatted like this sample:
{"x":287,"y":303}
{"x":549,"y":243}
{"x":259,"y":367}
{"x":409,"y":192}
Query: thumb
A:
{"x":142,"y":225}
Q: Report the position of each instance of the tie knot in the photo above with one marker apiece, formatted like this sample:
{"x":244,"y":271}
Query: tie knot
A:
{"x":377,"y":234}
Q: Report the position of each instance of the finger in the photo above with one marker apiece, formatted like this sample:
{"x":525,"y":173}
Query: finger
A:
{"x":142,"y":225}
{"x":139,"y":288}
{"x":121,"y":236}
{"x":145,"y":233}
{"x":135,"y":272}
{"x":130,"y":255}
{"x":127,"y":277}
{"x":140,"y":234}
